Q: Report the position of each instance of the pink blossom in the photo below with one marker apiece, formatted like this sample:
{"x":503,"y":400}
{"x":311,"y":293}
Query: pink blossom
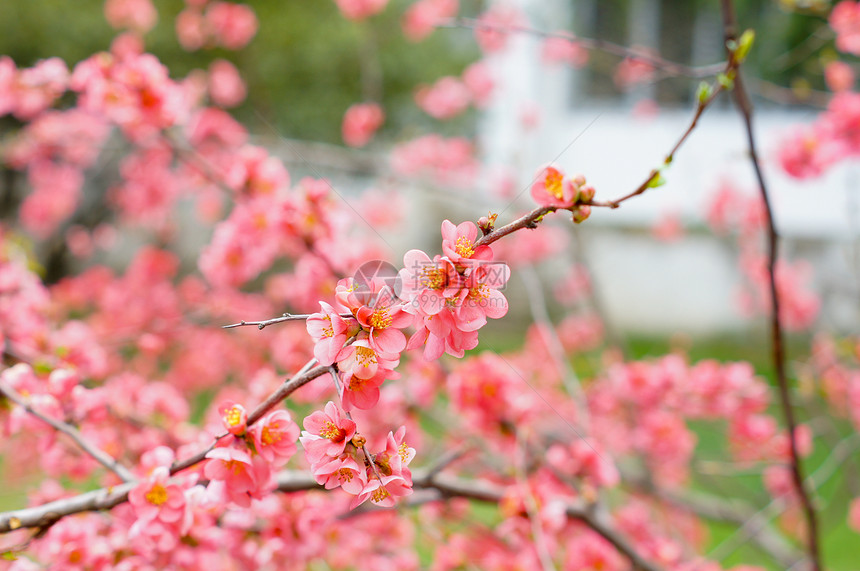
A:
{"x":343,"y":471}
{"x":136,"y":93}
{"x":854,"y":515}
{"x":231,"y":25}
{"x":551,"y":188}
{"x":383,"y":492}
{"x":360,"y":9}
{"x":74,"y":137}
{"x":448,"y":161}
{"x":225,"y":84}
{"x":478,"y":79}
{"x":234,"y":417}
{"x":326,"y":433}
{"x":428,"y":284}
{"x":361,"y":392}
{"x":55,"y":196}
{"x":563,"y":50}
{"x":439,"y":334}
{"x":842,"y":120}
{"x":155,"y":498}
{"x":329,"y":332}
{"x":495,"y":25}
{"x":239,"y":475}
{"x":34,"y":89}
{"x":806,"y":153}
{"x":275,"y":437}
{"x":421,"y":18}
{"x":446,"y":98}
{"x":591,"y":551}
{"x":458,"y":243}
{"x":360,"y":123}
{"x":669,"y":228}
{"x":191,"y":29}
{"x":363,"y":361}
{"x":481,"y":297}
{"x":137,"y":15}
{"x":633,"y":71}
{"x":845,"y":21}
{"x":7,"y":84}
{"x":839,"y":76}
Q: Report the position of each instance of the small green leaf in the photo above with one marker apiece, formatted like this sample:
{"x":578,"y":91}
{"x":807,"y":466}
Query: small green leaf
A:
{"x":10,"y":556}
{"x":656,"y":180}
{"x":704,"y":92}
{"x":745,"y":43}
{"x":726,"y":80}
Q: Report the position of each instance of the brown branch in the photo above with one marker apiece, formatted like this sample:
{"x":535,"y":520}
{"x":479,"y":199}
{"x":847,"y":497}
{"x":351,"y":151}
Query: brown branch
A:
{"x":98,"y":454}
{"x":106,"y":498}
{"x":669,"y":67}
{"x":725,"y":510}
{"x":281,"y":319}
{"x":529,"y":220}
{"x":744,"y":107}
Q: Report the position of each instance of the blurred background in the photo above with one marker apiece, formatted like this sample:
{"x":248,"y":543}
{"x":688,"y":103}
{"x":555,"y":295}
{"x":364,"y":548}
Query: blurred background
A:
{"x":308,"y":64}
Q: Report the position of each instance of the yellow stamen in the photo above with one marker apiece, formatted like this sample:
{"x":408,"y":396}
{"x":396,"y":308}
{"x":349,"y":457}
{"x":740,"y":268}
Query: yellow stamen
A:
{"x":380,"y":319}
{"x":553,"y":183}
{"x":331,"y":431}
{"x":156,"y":495}
{"x":365,"y":356}
{"x":233,"y":416}
{"x":270,"y":434}
{"x":379,"y":494}
{"x":464,"y":247}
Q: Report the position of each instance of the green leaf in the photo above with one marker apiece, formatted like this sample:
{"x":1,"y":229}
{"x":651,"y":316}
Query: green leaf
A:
{"x":726,"y":80}
{"x":745,"y":43}
{"x":10,"y":556}
{"x":656,"y":180}
{"x":704,"y":92}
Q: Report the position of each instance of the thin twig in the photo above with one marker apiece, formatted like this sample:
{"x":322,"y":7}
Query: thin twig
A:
{"x":304,"y":376}
{"x":98,"y":454}
{"x":669,"y":67}
{"x":281,"y":319}
{"x":744,"y":106}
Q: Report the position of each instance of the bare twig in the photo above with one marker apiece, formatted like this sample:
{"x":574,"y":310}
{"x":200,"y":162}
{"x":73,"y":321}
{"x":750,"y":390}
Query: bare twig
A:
{"x":729,"y":511}
{"x":669,"y":68}
{"x":281,"y":319}
{"x":744,"y":106}
{"x":98,"y":454}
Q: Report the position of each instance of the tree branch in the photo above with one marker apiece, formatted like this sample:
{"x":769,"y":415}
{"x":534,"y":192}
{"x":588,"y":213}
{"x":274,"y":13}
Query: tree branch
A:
{"x":98,"y":454}
{"x":669,"y":67}
{"x":281,"y":319}
{"x":744,"y":107}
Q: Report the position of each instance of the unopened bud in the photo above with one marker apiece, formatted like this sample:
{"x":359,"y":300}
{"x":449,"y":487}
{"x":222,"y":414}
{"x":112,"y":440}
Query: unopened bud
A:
{"x":487,"y":223}
{"x":581,"y":213}
{"x":358,"y":441}
{"x":586,"y":193}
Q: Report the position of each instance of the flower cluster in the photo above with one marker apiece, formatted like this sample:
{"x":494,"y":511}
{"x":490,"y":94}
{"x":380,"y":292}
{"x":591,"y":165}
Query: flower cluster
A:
{"x":552,"y":188}
{"x":338,"y":457}
{"x":243,"y":468}
{"x":452,"y":295}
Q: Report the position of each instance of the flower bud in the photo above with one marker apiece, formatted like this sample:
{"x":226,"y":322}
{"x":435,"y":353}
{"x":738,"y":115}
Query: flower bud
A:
{"x":581,"y":213}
